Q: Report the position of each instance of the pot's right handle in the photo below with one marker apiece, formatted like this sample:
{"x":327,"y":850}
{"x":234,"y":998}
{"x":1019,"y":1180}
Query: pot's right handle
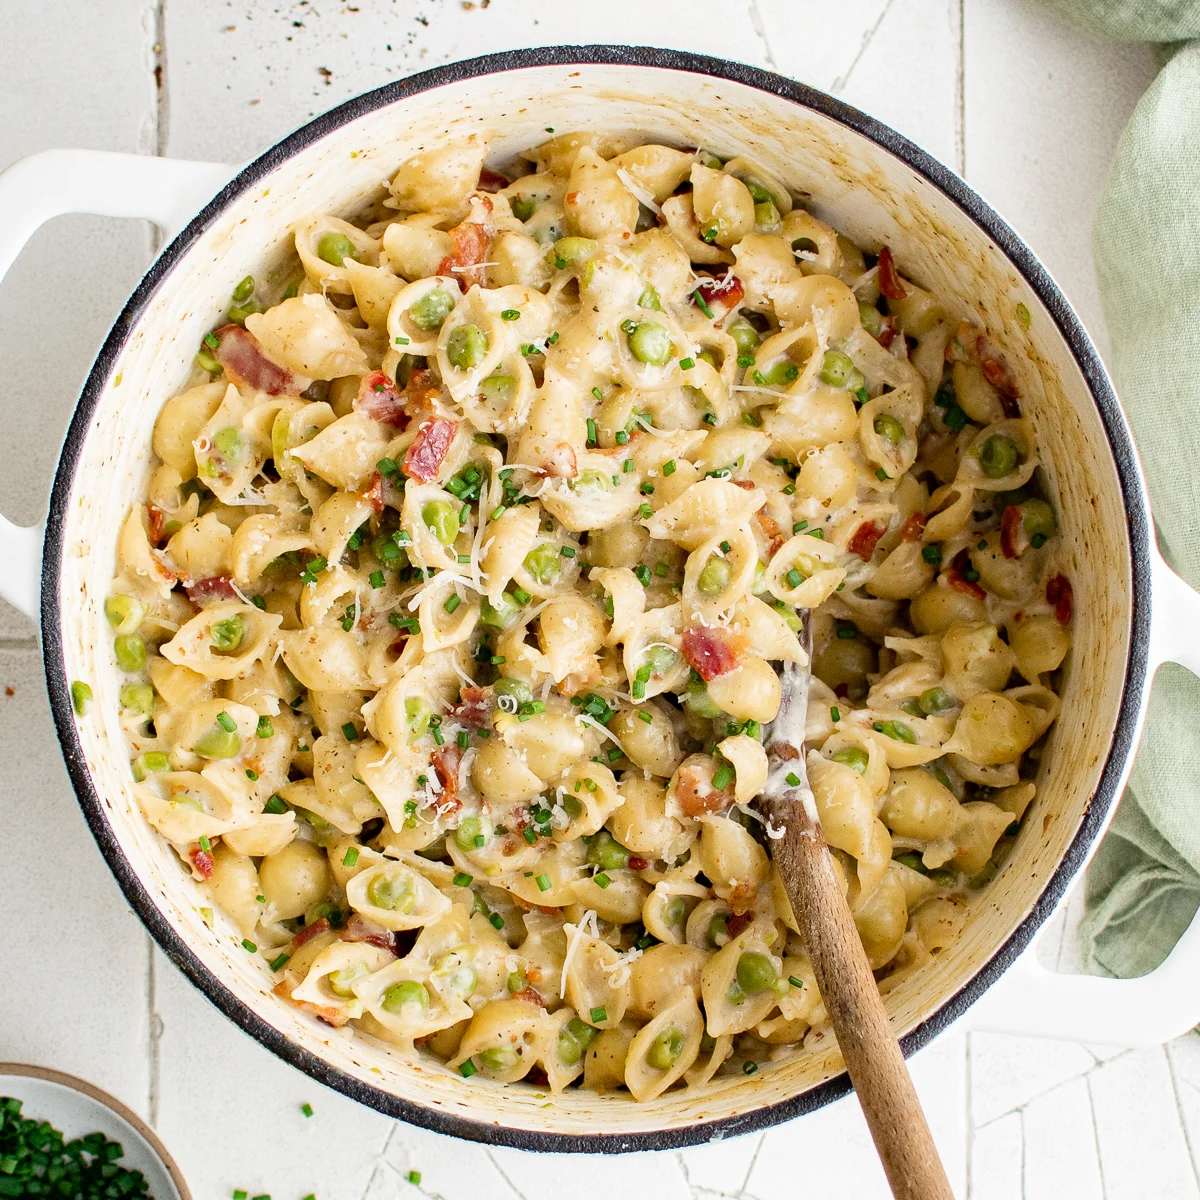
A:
{"x":166,"y":191}
{"x":1030,"y":999}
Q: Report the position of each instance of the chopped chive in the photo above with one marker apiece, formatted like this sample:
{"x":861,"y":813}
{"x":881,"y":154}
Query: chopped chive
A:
{"x":645,"y":716}
{"x":530,"y":835}
{"x":835,"y":713}
{"x":205,"y":844}
{"x":799,"y":526}
{"x":350,"y":857}
{"x":819,"y":534}
{"x":599,"y":1015}
{"x":645,"y":511}
{"x":521,"y":596}
{"x":467,"y":1069}
{"x":414,"y":1177}
{"x":306,"y":1109}
{"x":702,"y":304}
{"x":567,"y":551}
{"x":543,"y":882}
{"x":647,"y":489}
{"x":376,"y":579}
{"x":452,"y":603}
{"x":749,"y":1067}
{"x":723,"y":777}
{"x":621,"y":437}
{"x":686,"y":364}
{"x":81,"y":697}
{"x":251,"y":775}
{"x":279,"y":962}
{"x":510,"y":314}
{"x":275,"y":806}
{"x":591,"y":432}
{"x":463,"y":739}
{"x":601,"y":880}
{"x":597,"y":393}
{"x":349,"y":732}
{"x":247,"y":944}
{"x":643,"y":573}
{"x":497,"y":921}
{"x":669,"y":468}
{"x":226,"y":722}
{"x":793,"y":778}
{"x":627,"y":466}
{"x":794,"y":578}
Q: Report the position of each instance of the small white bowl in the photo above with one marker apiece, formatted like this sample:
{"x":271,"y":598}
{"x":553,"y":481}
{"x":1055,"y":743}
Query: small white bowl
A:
{"x":75,"y":1107}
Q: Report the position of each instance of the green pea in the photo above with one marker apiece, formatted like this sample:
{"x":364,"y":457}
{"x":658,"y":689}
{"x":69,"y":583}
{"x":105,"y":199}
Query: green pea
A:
{"x":569,"y":1050}
{"x":1038,"y":518}
{"x":335,"y":248}
{"x":384,"y":547}
{"x":228,"y":443}
{"x":228,"y":634}
{"x":469,"y":828}
{"x":151,"y":763}
{"x":871,"y":318}
{"x":544,"y":563}
{"x":239,"y":312}
{"x":124,"y":613}
{"x":399,"y":996}
{"x":744,"y":335}
{"x":432,"y":309}
{"x":341,"y":981}
{"x":499,"y":616}
{"x":999,"y":456}
{"x":607,"y":853}
{"x":912,"y":707}
{"x":650,"y":342}
{"x":666,"y":1048}
{"x":766,"y":216}
{"x":717,"y":933}
{"x":570,"y":250}
{"x":466,"y":347}
{"x":897,"y":731}
{"x":518,"y":689}
{"x":130,"y":649}
{"x":441,"y":519}
{"x":391,"y":892}
{"x":836,"y":368}
{"x":582,"y":1032}
{"x":244,"y":290}
{"x":889,"y":428}
{"x":139,"y":698}
{"x":674,"y":910}
{"x":854,"y":757}
{"x":498,"y":1059}
{"x":912,"y":860}
{"x":755,"y":973}
{"x":660,"y":659}
{"x":522,"y":207}
{"x":649,"y":299}
{"x":571,"y":806}
{"x":698,"y":701}
{"x":935,"y":700}
{"x":778,"y":374}
{"x":206,"y":362}
{"x":498,"y":390}
{"x":218,"y":742}
{"x":417,"y":713}
{"x":715,"y":576}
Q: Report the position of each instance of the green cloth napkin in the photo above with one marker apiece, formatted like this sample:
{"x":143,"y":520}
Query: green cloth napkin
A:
{"x":1144,"y":884}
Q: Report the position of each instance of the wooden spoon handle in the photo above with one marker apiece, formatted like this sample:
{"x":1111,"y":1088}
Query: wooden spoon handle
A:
{"x":860,"y":1022}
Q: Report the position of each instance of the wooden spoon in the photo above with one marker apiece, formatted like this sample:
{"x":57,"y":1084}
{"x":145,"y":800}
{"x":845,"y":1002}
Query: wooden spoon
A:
{"x":844,"y":979}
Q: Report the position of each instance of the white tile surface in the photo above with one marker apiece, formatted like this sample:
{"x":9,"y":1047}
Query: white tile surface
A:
{"x":1030,"y":107}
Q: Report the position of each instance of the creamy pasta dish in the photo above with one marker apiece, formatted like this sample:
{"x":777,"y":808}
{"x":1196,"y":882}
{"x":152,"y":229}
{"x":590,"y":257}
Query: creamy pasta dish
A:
{"x":452,"y":619}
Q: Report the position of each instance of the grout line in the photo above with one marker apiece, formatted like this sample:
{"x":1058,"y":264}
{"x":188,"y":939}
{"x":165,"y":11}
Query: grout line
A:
{"x":1187,"y":1137}
{"x":156,"y":1032}
{"x":970,"y":1114}
{"x":868,"y":38}
{"x":500,"y":1171}
{"x":958,"y":9}
{"x":18,"y":643}
{"x":753,"y":1160}
{"x":760,"y":28}
{"x":161,"y":109}
{"x":1096,"y":1135}
{"x":1021,"y":1126}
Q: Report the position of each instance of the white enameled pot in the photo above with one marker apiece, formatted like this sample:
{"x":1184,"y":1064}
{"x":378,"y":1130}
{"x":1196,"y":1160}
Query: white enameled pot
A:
{"x":1132,"y":613}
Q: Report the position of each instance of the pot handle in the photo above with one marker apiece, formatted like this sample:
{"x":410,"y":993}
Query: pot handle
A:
{"x":1033,"y":1000}
{"x":166,"y":191}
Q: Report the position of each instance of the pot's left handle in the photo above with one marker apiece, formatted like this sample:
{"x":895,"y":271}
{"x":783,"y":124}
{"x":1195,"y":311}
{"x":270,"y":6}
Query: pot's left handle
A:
{"x":166,"y":191}
{"x":1033,"y":1000}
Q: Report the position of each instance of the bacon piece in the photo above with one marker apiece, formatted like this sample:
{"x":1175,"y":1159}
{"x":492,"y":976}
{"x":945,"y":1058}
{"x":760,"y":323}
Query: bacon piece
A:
{"x":492,"y":181}
{"x":559,"y":462}
{"x":957,"y":580}
{"x":957,"y":348}
{"x":865,"y":538}
{"x":475,"y":707}
{"x":771,"y":531}
{"x":309,"y":932}
{"x":637,"y":862}
{"x":429,"y":448}
{"x":531,"y":995}
{"x":913,"y":528}
{"x":889,"y":280}
{"x":214,"y":589}
{"x":373,"y":493}
{"x":331,"y":1016}
{"x":1060,"y":593}
{"x":695,"y":794}
{"x":359,"y":929}
{"x":709,"y":652}
{"x":446,"y":761}
{"x":887,"y":332}
{"x":721,"y":295}
{"x":380,"y":398}
{"x":202,"y":861}
{"x":737,"y":923}
{"x":158,"y":522}
{"x":239,"y":353}
{"x":469,"y":246}
{"x":1011,"y":529}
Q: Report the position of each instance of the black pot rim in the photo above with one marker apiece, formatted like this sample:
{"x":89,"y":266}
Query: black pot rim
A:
{"x":935,"y":173}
